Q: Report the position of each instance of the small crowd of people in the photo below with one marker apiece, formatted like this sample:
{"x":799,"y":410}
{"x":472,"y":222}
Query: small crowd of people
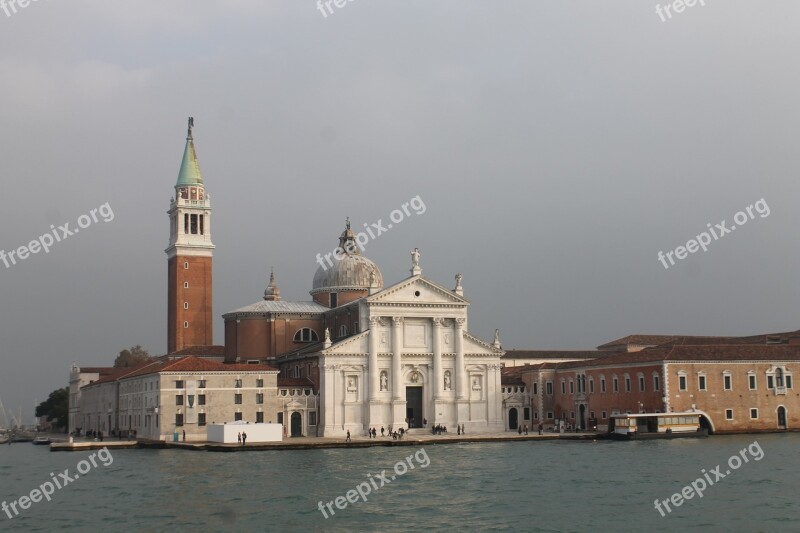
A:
{"x":439,"y":429}
{"x":520,"y":429}
{"x":242,"y":437}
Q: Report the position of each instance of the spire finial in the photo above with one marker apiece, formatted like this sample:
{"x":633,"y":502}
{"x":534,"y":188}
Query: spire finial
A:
{"x":347,"y":223}
{"x":191,"y":125}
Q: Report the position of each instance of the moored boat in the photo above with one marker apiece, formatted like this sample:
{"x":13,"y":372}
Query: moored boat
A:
{"x":656,"y":426}
{"x":42,"y":441}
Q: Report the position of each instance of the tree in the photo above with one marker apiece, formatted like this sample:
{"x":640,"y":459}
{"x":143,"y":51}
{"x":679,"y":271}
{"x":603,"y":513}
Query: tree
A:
{"x":133,"y":357}
{"x":56,"y":407}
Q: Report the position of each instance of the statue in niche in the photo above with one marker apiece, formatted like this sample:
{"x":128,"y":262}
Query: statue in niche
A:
{"x":327,"y":335}
{"x":384,"y":381}
{"x":476,"y":384}
{"x":447,"y":383}
{"x":351,"y":385}
{"x":447,"y":338}
{"x":383,"y":338}
{"x":415,"y":377}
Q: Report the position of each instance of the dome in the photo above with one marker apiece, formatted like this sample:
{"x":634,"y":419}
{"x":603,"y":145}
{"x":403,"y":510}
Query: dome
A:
{"x":351,"y":271}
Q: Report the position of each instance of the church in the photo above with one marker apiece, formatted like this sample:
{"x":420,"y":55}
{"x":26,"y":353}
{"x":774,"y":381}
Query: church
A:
{"x":400,"y":355}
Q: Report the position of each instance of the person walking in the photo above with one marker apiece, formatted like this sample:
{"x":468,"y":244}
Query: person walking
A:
{"x":184,"y":435}
{"x":381,"y":431}
{"x":348,"y":436}
{"x":239,"y":437}
{"x":244,"y":439}
{"x":540,"y":429}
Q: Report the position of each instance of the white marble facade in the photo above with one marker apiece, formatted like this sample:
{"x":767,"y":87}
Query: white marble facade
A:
{"x":414,"y":342}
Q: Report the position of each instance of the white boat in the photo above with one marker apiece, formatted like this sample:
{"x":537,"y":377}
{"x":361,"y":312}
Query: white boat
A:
{"x":656,"y":426}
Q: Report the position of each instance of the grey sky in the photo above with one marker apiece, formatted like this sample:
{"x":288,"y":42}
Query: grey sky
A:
{"x":558,"y":147}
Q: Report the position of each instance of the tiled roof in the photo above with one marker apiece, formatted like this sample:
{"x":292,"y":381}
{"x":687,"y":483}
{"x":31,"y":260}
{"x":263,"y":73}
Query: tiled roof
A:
{"x":195,"y":364}
{"x":294,"y":382}
{"x":281,"y":306}
{"x":513,"y":375}
{"x":656,"y":340}
{"x":102,"y":370}
{"x":215,"y":351}
{"x":697,"y":352}
{"x":553,"y":354}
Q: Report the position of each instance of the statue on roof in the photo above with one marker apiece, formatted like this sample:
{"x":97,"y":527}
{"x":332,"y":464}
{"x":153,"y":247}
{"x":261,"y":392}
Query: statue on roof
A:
{"x":415,"y":257}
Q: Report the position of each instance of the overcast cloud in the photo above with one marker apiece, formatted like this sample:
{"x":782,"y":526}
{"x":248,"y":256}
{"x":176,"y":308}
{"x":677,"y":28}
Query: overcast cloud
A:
{"x":558,"y":147}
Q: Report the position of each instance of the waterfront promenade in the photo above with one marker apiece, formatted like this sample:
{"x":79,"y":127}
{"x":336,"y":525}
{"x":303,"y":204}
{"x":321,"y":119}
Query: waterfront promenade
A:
{"x":413,"y":438}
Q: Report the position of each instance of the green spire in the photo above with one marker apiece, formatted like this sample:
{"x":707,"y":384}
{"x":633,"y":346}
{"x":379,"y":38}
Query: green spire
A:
{"x":190,"y":168}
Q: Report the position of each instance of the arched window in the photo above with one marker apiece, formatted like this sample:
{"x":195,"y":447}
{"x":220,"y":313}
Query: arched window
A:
{"x":306,"y":335}
{"x":343,"y":330}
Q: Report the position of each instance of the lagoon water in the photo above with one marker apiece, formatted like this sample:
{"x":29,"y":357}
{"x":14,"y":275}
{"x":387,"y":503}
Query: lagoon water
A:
{"x":513,"y":486}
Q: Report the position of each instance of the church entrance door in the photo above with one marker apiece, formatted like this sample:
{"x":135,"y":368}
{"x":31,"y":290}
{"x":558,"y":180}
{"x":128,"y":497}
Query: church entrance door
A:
{"x":513,"y":418}
{"x":414,"y":406}
{"x":297,"y":425}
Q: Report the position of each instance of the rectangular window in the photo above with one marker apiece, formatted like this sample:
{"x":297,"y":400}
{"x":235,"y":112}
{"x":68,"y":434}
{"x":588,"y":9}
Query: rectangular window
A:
{"x":641,"y":383}
{"x":770,"y":382}
{"x":728,"y":414}
{"x":527,"y":412}
{"x":701,"y":382}
{"x":591,"y":385}
{"x":727,"y":382}
{"x":312,"y":418}
{"x":754,"y":414}
{"x":334,"y":300}
{"x":237,"y":399}
{"x":202,"y":229}
{"x":201,"y":384}
{"x":752,"y":381}
{"x":682,"y":382}
{"x":549,"y":415}
{"x":627,"y":384}
{"x":259,"y":398}
{"x":194,"y":224}
{"x":259,"y":418}
{"x":550,"y":388}
{"x":201,"y":419}
{"x":237,"y":417}
{"x":788,"y":381}
{"x":535,"y":389}
{"x":571,"y":387}
{"x":201,"y":399}
{"x":602,"y":384}
{"x":536,"y":415}
{"x":616,"y":385}
{"x":186,"y":223}
{"x":563,"y":387}
{"x":179,"y":399}
{"x":238,"y":384}
{"x":259,"y":383}
{"x":178,"y":420}
{"x":603,"y":415}
{"x":656,"y":383}
{"x":280,"y":418}
{"x":179,"y":384}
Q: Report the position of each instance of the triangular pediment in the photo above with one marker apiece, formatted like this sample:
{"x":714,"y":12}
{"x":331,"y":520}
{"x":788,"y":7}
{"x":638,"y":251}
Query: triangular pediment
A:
{"x":474,"y":345}
{"x":356,"y":344}
{"x":405,"y":293}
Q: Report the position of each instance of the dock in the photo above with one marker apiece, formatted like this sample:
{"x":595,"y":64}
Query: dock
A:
{"x":310,"y":443}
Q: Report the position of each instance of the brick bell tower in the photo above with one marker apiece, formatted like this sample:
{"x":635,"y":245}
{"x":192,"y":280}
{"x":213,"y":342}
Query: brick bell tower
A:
{"x":190,"y":312}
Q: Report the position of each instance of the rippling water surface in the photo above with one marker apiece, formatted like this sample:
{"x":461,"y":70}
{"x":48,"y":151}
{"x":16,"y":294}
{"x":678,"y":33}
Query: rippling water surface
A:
{"x":518,"y":486}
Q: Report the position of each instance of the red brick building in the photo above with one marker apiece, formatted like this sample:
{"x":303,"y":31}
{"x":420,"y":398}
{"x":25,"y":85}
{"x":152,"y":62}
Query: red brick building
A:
{"x":738,"y":383}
